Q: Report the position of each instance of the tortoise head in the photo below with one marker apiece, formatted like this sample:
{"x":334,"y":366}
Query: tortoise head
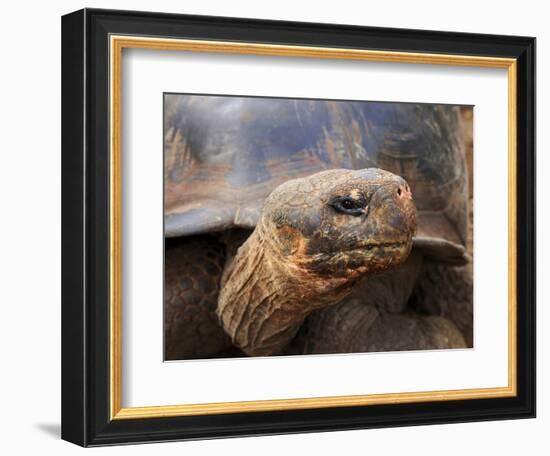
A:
{"x":342,"y":223}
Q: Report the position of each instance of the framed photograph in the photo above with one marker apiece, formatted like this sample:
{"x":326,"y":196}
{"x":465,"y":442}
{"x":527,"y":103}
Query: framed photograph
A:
{"x":278,"y":227}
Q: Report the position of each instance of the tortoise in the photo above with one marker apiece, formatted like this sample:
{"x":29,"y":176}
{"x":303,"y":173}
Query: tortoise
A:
{"x":290,"y":227}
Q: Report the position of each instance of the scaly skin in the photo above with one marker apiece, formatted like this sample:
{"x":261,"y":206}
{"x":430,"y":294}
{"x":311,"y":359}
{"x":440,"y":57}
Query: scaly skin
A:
{"x":309,"y":251}
{"x":376,"y":317}
{"x":447,"y":291}
{"x":193,"y":269}
{"x":354,"y":326}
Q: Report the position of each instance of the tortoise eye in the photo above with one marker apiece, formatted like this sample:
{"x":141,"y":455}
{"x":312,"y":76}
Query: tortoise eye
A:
{"x":348,"y":205}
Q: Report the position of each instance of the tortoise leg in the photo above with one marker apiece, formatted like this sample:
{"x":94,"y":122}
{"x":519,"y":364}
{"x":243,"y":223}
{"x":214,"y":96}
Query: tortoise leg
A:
{"x":447,"y":291}
{"x":354,"y":326}
{"x":376,"y":318}
{"x":193,"y":269}
{"x":409,"y":331}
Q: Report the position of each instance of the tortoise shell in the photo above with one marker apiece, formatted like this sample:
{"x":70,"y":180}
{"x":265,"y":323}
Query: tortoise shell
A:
{"x":224,"y":155}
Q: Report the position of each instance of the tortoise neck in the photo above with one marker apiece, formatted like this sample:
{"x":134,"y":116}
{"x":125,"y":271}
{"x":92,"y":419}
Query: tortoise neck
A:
{"x":265,"y":297}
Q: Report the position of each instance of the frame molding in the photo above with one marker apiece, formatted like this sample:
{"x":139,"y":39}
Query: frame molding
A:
{"x":117,"y":45}
{"x":91,"y":372}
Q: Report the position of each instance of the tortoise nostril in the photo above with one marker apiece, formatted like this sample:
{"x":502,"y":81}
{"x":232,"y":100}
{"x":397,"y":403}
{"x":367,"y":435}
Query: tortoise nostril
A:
{"x":403,"y":191}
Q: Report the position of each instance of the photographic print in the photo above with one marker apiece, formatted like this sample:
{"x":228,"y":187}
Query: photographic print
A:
{"x":308,"y":226}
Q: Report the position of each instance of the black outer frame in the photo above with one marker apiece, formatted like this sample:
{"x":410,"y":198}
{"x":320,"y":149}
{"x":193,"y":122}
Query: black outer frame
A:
{"x":85,"y":227}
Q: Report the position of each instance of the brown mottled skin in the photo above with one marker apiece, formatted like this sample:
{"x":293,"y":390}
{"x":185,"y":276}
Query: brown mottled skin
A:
{"x":377,"y":317}
{"x":307,"y":252}
{"x":355,"y":327}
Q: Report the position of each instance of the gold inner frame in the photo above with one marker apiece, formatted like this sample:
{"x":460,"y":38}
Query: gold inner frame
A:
{"x":117,"y":44}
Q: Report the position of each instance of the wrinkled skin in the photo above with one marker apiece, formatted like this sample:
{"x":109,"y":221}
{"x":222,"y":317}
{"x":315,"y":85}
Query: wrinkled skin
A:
{"x":416,"y":305}
{"x":447,"y":291}
{"x":318,"y":237}
{"x":378,"y":315}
